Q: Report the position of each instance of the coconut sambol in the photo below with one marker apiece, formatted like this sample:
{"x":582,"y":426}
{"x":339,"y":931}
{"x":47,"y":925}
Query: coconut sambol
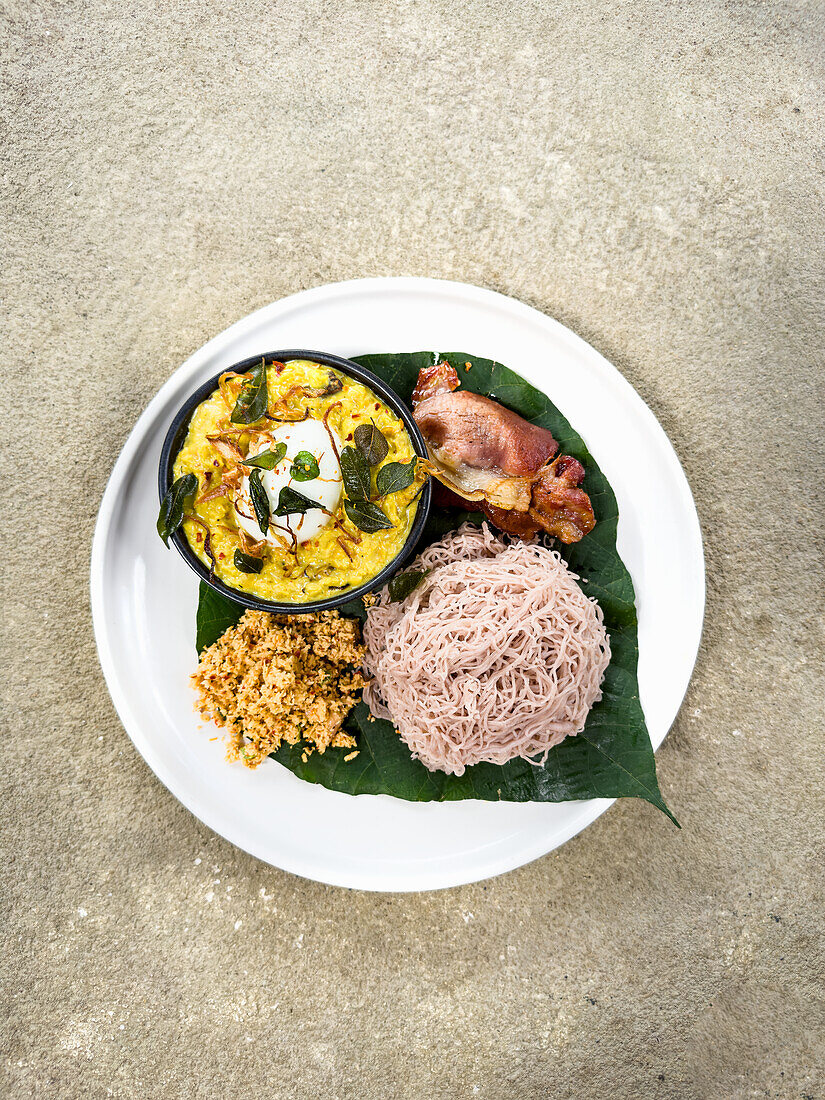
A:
{"x":294,"y":483}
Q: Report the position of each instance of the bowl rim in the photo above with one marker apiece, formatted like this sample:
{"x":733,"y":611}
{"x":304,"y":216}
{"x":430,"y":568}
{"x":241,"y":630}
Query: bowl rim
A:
{"x":176,"y":434}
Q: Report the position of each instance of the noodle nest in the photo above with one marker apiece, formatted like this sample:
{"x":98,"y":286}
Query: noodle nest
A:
{"x":497,"y":653}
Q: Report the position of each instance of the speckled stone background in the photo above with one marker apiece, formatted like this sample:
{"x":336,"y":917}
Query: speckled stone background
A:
{"x":650,"y":174}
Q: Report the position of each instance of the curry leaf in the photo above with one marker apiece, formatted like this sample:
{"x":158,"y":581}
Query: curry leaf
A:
{"x":366,"y":516}
{"x":371,"y":443}
{"x":253,"y":398}
{"x":260,"y":500}
{"x":291,"y":501}
{"x":216,"y":614}
{"x":402,"y":584}
{"x":173,"y":504}
{"x":356,"y":474}
{"x":247,"y":563}
{"x":304,"y":467}
{"x":267,"y":460}
{"x":394,"y":477}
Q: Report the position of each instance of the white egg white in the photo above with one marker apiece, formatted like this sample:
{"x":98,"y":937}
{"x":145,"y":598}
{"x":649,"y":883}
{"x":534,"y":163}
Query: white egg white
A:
{"x":326,"y":489}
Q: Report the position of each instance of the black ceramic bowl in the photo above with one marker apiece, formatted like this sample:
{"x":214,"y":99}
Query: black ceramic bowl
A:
{"x":177,"y":434}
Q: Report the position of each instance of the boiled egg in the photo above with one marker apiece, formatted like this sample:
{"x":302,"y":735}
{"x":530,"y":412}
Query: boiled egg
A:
{"x":312,"y":437}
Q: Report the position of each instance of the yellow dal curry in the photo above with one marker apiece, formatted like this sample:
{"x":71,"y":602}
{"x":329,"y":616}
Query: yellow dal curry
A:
{"x":341,"y":556}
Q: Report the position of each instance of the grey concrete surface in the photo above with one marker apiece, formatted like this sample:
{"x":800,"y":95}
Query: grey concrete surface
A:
{"x":650,"y":174}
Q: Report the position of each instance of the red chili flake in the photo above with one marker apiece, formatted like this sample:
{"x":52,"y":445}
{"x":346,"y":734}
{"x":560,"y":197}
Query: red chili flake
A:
{"x":349,"y":437}
{"x":377,"y":406}
{"x":199,"y":537}
{"x":214,"y":462}
{"x":208,"y":475}
{"x":279,"y":367}
{"x":221,"y":555}
{"x":355,"y":416}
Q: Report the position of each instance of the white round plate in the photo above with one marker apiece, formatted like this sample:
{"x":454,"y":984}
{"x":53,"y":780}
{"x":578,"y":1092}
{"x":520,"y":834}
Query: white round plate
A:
{"x":144,"y":596}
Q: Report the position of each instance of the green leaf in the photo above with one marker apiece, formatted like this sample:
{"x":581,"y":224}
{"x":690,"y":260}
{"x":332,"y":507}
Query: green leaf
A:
{"x":173,"y":505}
{"x":304,"y":467}
{"x":366,"y":516}
{"x":371,"y":443}
{"x":253,"y":398}
{"x":613,"y":756}
{"x":291,"y":501}
{"x":394,"y":477}
{"x":260,"y":500}
{"x":247,"y":563}
{"x":402,"y":584}
{"x":216,"y":614}
{"x":267,"y":460}
{"x":355,"y":472}
{"x":354,"y":609}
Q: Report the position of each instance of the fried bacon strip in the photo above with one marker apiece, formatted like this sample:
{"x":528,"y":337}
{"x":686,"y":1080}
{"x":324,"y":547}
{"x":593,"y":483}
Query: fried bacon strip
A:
{"x":439,"y":378}
{"x":484,"y":453}
{"x":466,"y":429}
{"x":559,"y":506}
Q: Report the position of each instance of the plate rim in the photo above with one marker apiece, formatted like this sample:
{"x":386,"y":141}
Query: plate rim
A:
{"x":590,"y":809}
